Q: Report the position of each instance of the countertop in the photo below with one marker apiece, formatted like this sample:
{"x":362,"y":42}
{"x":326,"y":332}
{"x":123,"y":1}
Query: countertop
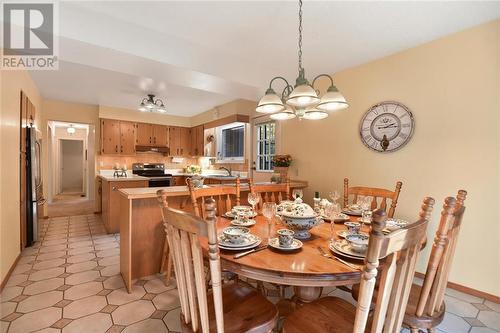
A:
{"x":129,"y":178}
{"x":172,"y":191}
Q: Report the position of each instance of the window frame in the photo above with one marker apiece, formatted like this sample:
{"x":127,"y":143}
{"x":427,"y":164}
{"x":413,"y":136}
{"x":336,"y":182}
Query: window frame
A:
{"x":219,"y":140}
{"x":258,"y":140}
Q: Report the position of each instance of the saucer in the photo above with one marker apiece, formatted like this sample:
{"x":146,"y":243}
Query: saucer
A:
{"x":245,"y":223}
{"x":250,"y":239}
{"x":395,"y":224}
{"x":343,"y":233}
{"x":275,"y":243}
{"x":344,"y":248}
{"x":232,"y":215}
{"x":360,"y":220}
{"x":348,"y":211}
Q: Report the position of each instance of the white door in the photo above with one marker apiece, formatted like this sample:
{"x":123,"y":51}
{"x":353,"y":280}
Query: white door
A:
{"x":72,"y":171}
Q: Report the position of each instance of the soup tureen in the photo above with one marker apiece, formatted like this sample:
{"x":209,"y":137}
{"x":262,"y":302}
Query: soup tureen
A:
{"x":299,"y":217}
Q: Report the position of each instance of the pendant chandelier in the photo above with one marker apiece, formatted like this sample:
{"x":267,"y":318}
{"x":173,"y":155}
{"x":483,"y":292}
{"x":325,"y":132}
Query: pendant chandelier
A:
{"x":301,"y":101}
{"x":151,"y":104}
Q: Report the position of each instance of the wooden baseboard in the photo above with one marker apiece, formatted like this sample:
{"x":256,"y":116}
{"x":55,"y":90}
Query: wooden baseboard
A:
{"x":467,"y":290}
{"x":4,"y":282}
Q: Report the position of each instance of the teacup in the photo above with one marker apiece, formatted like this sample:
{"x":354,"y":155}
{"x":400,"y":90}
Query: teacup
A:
{"x":285,"y":237}
{"x":245,"y":209}
{"x":353,"y":227}
{"x":354,"y":207}
{"x":235,"y":235}
{"x":359,"y":242}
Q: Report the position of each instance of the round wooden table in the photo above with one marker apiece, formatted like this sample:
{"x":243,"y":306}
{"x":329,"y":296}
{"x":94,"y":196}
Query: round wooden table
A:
{"x":305,"y":269}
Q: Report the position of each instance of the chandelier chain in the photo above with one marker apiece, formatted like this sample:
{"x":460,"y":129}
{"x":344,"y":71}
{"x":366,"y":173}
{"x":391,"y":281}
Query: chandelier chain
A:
{"x":300,"y":35}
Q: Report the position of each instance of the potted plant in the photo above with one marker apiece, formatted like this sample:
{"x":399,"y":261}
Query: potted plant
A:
{"x":281,"y":165}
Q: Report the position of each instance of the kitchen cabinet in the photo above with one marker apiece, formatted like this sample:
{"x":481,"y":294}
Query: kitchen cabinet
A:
{"x":110,"y":205}
{"x":179,"y":141}
{"x":117,"y":137}
{"x":185,"y":144}
{"x":160,"y":135}
{"x":144,"y":134}
{"x":197,"y":141}
{"x":179,"y":180}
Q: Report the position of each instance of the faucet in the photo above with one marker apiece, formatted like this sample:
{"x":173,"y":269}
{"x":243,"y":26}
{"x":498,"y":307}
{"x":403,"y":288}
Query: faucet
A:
{"x":229,"y":172}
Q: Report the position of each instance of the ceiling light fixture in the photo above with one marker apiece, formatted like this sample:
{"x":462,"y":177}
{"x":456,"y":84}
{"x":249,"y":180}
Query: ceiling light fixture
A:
{"x":301,"y":101}
{"x":150,"y":104}
{"x":71,"y":130}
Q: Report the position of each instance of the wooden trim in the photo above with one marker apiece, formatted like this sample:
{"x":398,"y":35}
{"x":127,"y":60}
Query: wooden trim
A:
{"x":11,"y":269}
{"x":467,"y":290}
{"x":241,"y":118}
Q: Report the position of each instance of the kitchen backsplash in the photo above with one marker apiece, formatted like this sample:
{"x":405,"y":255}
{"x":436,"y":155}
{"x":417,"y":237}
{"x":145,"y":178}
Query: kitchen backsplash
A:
{"x":106,"y":162}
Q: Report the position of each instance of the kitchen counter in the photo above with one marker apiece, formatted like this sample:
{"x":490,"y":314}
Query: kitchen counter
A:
{"x":110,"y":178}
{"x":150,"y":192}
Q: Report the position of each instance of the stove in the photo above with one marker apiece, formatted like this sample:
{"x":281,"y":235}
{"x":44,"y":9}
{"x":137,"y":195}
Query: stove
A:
{"x":155,"y":172}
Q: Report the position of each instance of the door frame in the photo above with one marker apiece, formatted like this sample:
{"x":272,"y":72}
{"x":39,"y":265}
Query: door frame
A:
{"x":262,"y":175}
{"x":59,"y":164}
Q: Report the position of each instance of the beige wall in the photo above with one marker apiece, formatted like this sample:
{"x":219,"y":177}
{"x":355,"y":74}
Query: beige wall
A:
{"x":239,"y":106}
{"x":12,"y":82}
{"x":452,"y":86}
{"x":145,"y":117}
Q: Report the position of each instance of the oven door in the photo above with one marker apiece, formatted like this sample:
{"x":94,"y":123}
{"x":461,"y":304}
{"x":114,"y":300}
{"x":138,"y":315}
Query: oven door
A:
{"x":160,"y":181}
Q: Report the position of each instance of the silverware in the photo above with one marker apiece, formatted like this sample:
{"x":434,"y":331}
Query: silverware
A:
{"x":326,"y":255}
{"x":257,"y":249}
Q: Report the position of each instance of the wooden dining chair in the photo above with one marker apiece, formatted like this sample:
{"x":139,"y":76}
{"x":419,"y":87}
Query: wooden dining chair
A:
{"x":230,"y":308}
{"x":166,"y":258}
{"x":374,"y":192}
{"x":270,"y":192}
{"x":225,"y":196}
{"x":426,"y":306}
{"x":399,"y":250}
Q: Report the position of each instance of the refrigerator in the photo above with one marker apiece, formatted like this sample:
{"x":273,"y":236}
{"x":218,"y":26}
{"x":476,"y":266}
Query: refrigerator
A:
{"x":34,"y":185}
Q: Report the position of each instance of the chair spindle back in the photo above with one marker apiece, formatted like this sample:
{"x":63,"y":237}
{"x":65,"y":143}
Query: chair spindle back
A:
{"x":225,"y":196}
{"x":270,"y":192}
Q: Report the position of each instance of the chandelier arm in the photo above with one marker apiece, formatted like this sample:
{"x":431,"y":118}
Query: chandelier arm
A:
{"x":322,"y":75}
{"x":288,"y":87}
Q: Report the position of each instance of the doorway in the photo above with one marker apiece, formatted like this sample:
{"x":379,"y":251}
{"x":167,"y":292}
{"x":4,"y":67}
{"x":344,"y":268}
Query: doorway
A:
{"x":72,"y":168}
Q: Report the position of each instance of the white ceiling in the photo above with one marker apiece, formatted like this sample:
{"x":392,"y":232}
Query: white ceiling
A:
{"x":197,"y":55}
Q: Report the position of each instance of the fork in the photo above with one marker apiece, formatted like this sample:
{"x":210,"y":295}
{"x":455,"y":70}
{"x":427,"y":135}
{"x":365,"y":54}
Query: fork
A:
{"x":326,"y":255}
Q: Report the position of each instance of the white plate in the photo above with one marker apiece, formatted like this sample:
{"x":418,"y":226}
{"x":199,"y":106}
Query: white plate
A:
{"x":250,"y":239}
{"x":275,"y":243}
{"x":230,"y":214}
{"x":351,"y":212}
{"x":360,"y":220}
{"x":340,"y":217}
{"x":248,"y":247}
{"x":343,"y":233}
{"x":395,"y":224}
{"x":246,"y":223}
{"x":344,"y":248}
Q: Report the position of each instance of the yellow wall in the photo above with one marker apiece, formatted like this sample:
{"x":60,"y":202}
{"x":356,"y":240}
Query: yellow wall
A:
{"x":12,"y":82}
{"x":452,"y":86}
{"x":146,"y":117}
{"x":239,"y":106}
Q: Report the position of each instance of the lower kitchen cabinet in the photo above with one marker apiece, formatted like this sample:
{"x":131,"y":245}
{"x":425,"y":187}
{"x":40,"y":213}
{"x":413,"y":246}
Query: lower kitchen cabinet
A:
{"x":111,"y":201}
{"x":179,"y":181}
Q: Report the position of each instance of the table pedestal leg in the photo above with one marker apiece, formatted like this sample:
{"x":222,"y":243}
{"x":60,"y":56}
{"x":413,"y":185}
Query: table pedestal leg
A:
{"x":306,"y":294}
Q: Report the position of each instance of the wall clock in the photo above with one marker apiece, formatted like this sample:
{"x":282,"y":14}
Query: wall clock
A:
{"x":386,"y":126}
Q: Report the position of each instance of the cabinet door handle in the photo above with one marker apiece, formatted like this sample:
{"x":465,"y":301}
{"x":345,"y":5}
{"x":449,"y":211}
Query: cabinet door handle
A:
{"x":116,"y":148}
{"x":114,"y":188}
{"x":121,"y":149}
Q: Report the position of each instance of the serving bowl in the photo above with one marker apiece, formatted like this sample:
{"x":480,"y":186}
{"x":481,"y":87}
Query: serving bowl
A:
{"x":300,"y":218}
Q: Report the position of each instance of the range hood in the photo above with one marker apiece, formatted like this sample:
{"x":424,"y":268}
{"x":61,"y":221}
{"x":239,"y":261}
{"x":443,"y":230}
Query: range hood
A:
{"x":152,"y":149}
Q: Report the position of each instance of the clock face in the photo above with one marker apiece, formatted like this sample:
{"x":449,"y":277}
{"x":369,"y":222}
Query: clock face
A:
{"x":386,"y":126}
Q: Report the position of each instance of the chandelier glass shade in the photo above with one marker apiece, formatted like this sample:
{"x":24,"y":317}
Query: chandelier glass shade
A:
{"x":301,"y":100}
{"x":150,"y":104}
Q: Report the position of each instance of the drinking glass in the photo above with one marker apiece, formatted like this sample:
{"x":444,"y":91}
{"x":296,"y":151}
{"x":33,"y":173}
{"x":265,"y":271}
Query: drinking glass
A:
{"x":269,"y":211}
{"x":334,"y":195}
{"x":253,"y":199}
{"x":297,"y":193}
{"x":366,"y":213}
{"x":332,"y":211}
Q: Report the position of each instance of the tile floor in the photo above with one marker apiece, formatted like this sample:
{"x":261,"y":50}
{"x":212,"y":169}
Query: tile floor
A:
{"x":70,"y":282}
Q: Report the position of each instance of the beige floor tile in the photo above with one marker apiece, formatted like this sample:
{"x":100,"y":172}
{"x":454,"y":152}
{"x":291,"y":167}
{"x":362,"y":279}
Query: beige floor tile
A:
{"x":80,"y":258}
{"x":40,"y":301}
{"x":49,"y":263}
{"x":26,"y":260}
{"x":95,"y":323}
{"x":108,"y":253}
{"x":79,"y":239}
{"x":51,"y":255}
{"x":82,"y":277}
{"x":81,"y":267}
{"x":114,"y":282}
{"x":46,"y":274}
{"x":47,"y":249}
{"x":4,"y":326}
{"x":493,"y":306}
{"x":35,"y":320}
{"x":157,"y":286}
{"x":80,"y":250}
{"x":133,"y":312}
{"x":84,"y":307}
{"x":30,"y":251}
{"x":20,"y":269}
{"x":121,"y":296}
{"x":459,"y":307}
{"x":173,"y":321}
{"x":49,"y":330}
{"x":108,"y":261}
{"x":167,"y":300}
{"x":490,"y":319}
{"x":83,"y":290}
{"x":55,"y":242}
{"x":16,"y":279}
{"x":9,"y":293}
{"x":148,"y":325}
{"x":80,"y":244}
{"x":43,"y":286}
{"x":111,"y":270}
{"x":6,"y":308}
{"x":103,"y":246}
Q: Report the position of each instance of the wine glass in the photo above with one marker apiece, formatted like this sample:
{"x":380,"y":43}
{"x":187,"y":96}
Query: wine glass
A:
{"x":297,"y":193}
{"x":332,"y":211}
{"x":269,"y":211}
{"x":253,"y":199}
{"x":366,"y":213}
{"x":334,"y":195}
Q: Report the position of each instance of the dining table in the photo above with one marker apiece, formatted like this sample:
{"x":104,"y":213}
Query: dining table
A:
{"x":306,"y":269}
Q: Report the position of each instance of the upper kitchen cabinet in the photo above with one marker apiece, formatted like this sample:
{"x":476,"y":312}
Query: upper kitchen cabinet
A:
{"x":197,"y":141}
{"x":144,"y":134}
{"x":117,"y":137}
{"x":160,"y":136}
{"x":185,"y":146}
{"x":179,"y":141}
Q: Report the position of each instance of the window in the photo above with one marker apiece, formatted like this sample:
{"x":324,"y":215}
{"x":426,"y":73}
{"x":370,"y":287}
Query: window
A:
{"x":231,"y":142}
{"x":266,"y":146}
